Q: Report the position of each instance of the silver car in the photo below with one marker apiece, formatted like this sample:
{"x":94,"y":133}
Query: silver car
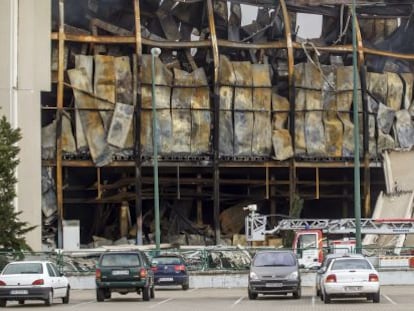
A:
{"x":274,"y":273}
{"x":350,"y":277}
{"x":322,"y":270}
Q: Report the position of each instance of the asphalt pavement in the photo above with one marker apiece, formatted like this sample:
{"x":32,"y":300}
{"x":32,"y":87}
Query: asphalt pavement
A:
{"x":175,"y":299}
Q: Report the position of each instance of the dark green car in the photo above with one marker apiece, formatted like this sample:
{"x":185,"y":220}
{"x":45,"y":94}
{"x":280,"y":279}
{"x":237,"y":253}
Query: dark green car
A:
{"x":124,"y":272}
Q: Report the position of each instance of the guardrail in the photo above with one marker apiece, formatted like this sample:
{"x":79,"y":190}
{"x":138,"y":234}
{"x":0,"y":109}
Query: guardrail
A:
{"x":213,"y":259}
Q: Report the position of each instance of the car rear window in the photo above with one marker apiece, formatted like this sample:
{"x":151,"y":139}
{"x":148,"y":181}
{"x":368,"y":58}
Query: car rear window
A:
{"x":23,"y":268}
{"x":167,"y":261}
{"x":124,"y":260}
{"x":346,"y":264}
{"x":274,"y":259}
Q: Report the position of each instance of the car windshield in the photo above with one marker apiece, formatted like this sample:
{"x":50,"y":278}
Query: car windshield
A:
{"x":23,"y":268}
{"x":274,"y":259}
{"x":347,"y":264}
{"x":167,"y":261}
{"x":124,"y":260}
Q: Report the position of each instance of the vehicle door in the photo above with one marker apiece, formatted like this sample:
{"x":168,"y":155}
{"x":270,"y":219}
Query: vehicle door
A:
{"x":308,"y":249}
{"x":62,"y":280}
{"x":57,"y":292}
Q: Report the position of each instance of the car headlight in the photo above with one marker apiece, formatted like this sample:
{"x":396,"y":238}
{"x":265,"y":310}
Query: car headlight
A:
{"x":293,"y":275}
{"x":253,"y":276}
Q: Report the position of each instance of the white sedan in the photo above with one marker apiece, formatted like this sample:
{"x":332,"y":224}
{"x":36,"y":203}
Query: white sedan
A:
{"x":350,"y":277}
{"x":32,"y":280}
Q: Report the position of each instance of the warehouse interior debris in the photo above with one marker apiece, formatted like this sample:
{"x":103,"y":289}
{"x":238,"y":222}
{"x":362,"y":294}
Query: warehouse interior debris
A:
{"x":247,"y":112}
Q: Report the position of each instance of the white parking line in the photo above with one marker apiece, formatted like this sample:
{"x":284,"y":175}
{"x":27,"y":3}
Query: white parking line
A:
{"x":81,"y":304}
{"x":313,"y":301}
{"x":389,"y":299}
{"x":237,"y":302}
{"x":161,"y":302}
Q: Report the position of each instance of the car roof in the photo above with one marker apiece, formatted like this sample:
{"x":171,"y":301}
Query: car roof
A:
{"x":275,"y":251}
{"x":168,"y":255}
{"x":29,"y":261}
{"x":350,"y":257}
{"x":121,"y":252}
{"x":344,"y":255}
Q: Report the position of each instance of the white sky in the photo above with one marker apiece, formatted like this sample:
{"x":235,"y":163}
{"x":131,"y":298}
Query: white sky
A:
{"x":310,"y":25}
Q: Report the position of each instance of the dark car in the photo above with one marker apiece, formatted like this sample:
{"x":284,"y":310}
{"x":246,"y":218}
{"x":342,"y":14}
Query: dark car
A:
{"x":274,"y":273}
{"x":170,"y":270}
{"x":124,"y":272}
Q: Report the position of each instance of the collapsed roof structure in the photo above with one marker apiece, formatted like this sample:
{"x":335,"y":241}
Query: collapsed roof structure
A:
{"x":246,"y":112}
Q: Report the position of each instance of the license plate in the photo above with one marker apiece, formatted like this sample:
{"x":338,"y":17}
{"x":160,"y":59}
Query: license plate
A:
{"x":120,"y":272}
{"x":19,"y":292}
{"x":166,"y":279}
{"x":274,"y":284}
{"x":353,"y":288}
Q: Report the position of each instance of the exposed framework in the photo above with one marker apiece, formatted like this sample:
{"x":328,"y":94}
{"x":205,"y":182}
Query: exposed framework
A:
{"x":214,"y":166}
{"x":256,"y":226}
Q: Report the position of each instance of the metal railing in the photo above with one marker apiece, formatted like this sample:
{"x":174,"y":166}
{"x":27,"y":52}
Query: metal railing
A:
{"x":206,"y":259}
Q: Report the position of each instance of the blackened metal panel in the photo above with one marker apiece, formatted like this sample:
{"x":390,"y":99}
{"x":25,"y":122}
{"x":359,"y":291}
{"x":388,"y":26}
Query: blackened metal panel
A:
{"x":104,"y":86}
{"x":243,"y":105}
{"x":227,"y":81}
{"x":163,"y":81}
{"x":180,"y":111}
{"x":262,"y":96}
{"x":86,"y":62}
{"x":200,"y":114}
{"x":120,"y":125}
{"x":90,"y":117}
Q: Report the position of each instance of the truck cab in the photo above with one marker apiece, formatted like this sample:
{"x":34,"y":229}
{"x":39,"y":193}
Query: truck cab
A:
{"x":308,"y":246}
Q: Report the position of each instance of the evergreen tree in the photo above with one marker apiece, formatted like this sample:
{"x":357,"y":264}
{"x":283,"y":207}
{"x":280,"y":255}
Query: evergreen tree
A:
{"x":12,"y":230}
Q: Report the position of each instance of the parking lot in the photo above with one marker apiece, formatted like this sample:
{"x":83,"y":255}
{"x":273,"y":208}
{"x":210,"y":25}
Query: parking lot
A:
{"x":171,"y":299}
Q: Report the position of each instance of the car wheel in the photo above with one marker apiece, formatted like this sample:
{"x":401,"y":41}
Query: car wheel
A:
{"x":326,"y":298}
{"x":107,"y":294}
{"x":3,"y":302}
{"x":65,"y":299}
{"x":252,"y":296}
{"x":146,"y":295}
{"x":318,"y":292}
{"x":49,"y":300}
{"x":185,"y":286}
{"x":376,"y":298}
{"x":297,"y":294}
{"x":100,"y":294}
{"x":21,"y":302}
{"x":152,"y":292}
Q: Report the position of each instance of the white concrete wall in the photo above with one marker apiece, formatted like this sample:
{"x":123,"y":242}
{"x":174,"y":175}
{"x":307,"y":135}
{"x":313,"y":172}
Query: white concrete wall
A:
{"x":239,"y":280}
{"x":25,"y":72}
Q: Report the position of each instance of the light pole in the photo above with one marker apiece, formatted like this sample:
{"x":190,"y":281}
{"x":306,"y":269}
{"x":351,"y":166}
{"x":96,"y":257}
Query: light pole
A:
{"x":357,"y":187}
{"x":155,"y":52}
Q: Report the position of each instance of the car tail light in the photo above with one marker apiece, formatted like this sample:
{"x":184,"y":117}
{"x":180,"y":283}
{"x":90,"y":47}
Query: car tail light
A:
{"x":179,"y":268}
{"x":331,"y":278}
{"x":143,"y":273}
{"x":154,"y":269}
{"x":98,"y":274}
{"x":373,"y":277}
{"x":2,"y":283}
{"x":38,"y":282}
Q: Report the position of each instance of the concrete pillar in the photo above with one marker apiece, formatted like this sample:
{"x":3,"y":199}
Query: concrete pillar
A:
{"x":25,"y":72}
